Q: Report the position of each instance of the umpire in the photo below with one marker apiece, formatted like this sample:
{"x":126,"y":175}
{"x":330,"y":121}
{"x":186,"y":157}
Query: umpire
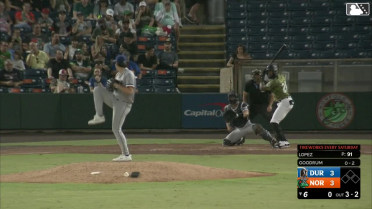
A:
{"x":260,"y":102}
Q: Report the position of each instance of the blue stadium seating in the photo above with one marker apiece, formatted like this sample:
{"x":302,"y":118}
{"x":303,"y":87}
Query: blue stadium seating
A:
{"x":311,"y":28}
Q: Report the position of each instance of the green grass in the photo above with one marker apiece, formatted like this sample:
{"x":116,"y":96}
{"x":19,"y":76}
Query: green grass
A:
{"x":277,"y":192}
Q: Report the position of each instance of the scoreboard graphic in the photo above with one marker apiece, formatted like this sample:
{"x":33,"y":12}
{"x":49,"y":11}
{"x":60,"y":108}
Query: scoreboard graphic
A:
{"x":328,"y":171}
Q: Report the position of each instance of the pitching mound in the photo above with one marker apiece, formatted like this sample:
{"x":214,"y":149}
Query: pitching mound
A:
{"x":113,"y":172}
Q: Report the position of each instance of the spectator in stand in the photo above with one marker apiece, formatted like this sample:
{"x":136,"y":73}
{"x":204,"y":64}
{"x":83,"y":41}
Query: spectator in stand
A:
{"x":62,"y":26}
{"x":56,"y":64}
{"x":81,"y":27}
{"x":16,"y":40}
{"x":85,"y":7}
{"x":45,"y":21}
{"x":70,"y":50}
{"x":121,"y":6}
{"x":36,"y":59}
{"x":97,"y":79}
{"x":148,"y":60}
{"x":18,"y":61}
{"x":166,"y":15}
{"x":86,"y":51}
{"x":4,"y":53}
{"x":168,"y":58}
{"x":5,"y":20}
{"x":194,"y":7}
{"x":61,"y":85}
{"x":102,"y":30}
{"x":38,"y":36}
{"x":39,"y":5}
{"x":101,"y":9}
{"x":57,"y":5}
{"x":81,"y":68}
{"x":54,"y":45}
{"x":25,"y":18}
{"x":110,"y":21}
{"x":128,"y":43}
{"x":240,"y":54}
{"x":105,"y":69}
{"x":13,"y":5}
{"x":124,"y":27}
{"x":144,"y":16}
{"x":9,"y":76}
{"x":98,"y":49}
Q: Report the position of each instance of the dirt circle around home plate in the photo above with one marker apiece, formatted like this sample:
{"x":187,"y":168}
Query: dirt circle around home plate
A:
{"x":114,"y":172}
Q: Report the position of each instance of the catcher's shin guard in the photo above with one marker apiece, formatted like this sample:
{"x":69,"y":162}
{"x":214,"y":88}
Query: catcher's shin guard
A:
{"x":278,"y":131}
{"x":227,"y":142}
{"x":259,"y":130}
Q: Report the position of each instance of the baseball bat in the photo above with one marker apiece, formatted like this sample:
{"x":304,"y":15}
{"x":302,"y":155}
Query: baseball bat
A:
{"x":282,"y":48}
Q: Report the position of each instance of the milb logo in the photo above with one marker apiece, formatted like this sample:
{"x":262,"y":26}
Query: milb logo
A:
{"x":357,"y":9}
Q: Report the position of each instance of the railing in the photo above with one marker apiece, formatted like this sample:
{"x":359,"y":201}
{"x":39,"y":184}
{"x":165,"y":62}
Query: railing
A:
{"x":313,"y":75}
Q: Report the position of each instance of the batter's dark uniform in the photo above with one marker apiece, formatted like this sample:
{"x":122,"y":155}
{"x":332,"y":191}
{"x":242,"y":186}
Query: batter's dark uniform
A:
{"x":257,"y":100}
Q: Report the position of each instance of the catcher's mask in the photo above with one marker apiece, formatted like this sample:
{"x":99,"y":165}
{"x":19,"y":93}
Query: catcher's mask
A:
{"x":274,"y":69}
{"x":232,"y":97}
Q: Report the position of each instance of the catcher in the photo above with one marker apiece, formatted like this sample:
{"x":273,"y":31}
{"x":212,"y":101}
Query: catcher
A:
{"x":237,"y":123}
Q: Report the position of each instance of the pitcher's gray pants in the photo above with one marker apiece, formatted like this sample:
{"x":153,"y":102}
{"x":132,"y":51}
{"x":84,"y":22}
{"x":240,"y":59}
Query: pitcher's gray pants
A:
{"x":120,"y":110}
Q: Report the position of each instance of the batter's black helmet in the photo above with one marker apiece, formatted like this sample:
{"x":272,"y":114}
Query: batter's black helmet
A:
{"x":256,"y":72}
{"x":273,"y":68}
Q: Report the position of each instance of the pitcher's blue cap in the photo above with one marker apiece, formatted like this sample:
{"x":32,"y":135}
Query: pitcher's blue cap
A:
{"x":120,"y":59}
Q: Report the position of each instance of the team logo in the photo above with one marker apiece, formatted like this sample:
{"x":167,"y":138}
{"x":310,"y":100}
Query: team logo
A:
{"x":357,"y":9}
{"x":302,"y":180}
{"x":335,"y":111}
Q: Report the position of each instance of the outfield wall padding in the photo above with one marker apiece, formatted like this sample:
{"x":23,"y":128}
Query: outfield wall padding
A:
{"x":344,"y":111}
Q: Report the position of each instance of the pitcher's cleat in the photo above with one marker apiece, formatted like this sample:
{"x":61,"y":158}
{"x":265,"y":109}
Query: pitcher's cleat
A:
{"x":284,"y":144}
{"x":123,"y":158}
{"x":97,"y":120}
{"x":274,"y":144}
{"x":241,"y":141}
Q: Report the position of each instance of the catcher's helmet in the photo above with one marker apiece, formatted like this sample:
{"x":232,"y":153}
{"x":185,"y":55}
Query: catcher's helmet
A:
{"x":273,"y":68}
{"x":232,"y":97}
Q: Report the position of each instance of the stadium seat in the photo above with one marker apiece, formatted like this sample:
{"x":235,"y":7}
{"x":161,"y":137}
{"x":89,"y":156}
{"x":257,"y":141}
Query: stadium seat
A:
{"x":278,"y":14}
{"x":145,"y":82}
{"x":365,"y":44}
{"x":233,"y":23}
{"x":165,"y":73}
{"x":257,"y":47}
{"x":236,"y":31}
{"x":255,"y":38}
{"x":322,"y":54}
{"x":299,"y":21}
{"x":257,"y":31}
{"x":236,"y":14}
{"x":258,"y":55}
{"x":337,"y":29}
{"x":363,"y":29}
{"x":164,"y":89}
{"x":236,"y":39}
{"x":343,"y":45}
{"x":235,"y":5}
{"x":300,"y":45}
{"x":148,"y":74}
{"x":318,"y":30}
{"x":323,"y":45}
{"x":320,"y":21}
{"x":276,"y":6}
{"x":343,"y":20}
{"x":256,"y":5}
{"x":346,"y":54}
{"x":364,"y":20}
{"x":146,"y":89}
{"x":277,"y":22}
{"x":297,"y":5}
{"x":256,"y":22}
{"x":277,"y":30}
{"x":164,"y":82}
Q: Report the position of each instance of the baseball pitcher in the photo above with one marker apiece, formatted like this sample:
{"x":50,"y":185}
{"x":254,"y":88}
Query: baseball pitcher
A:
{"x":119,"y":95}
{"x":237,"y":123}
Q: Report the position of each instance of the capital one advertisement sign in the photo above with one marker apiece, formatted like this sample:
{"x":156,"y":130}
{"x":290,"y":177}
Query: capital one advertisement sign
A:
{"x":203,"y":111}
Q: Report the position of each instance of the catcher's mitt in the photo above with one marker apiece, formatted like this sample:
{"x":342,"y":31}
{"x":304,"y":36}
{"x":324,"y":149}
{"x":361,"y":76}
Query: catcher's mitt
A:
{"x":110,"y":84}
{"x":229,"y":115}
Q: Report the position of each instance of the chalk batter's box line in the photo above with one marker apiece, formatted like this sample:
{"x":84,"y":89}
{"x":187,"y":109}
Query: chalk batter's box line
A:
{"x":323,"y":147}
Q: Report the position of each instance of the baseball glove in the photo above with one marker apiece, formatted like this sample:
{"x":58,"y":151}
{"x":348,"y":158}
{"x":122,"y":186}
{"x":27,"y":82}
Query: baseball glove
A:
{"x":110,"y":84}
{"x":229,"y":115}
